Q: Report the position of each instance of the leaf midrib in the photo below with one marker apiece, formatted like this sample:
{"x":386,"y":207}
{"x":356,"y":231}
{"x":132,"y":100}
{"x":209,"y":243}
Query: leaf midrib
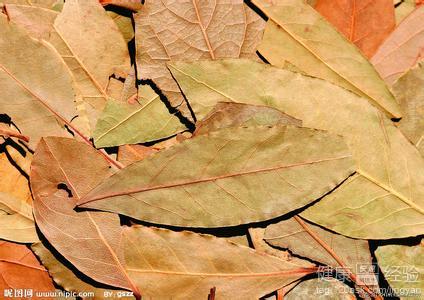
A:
{"x":198,"y":274}
{"x":85,"y":200}
{"x":360,"y":171}
{"x":282,"y":26}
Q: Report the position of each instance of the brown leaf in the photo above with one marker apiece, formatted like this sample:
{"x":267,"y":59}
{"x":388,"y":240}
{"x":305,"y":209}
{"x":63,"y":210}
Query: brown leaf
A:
{"x":402,"y":49}
{"x":180,"y":30}
{"x":365,"y":23}
{"x":20,"y":269}
{"x":62,"y":171}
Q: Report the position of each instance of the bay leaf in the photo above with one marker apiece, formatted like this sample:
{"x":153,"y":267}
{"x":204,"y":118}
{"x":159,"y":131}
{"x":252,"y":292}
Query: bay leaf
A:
{"x":366,"y":24}
{"x":134,"y":5}
{"x":129,"y":154}
{"x":130,"y":123}
{"x":403,"y":268}
{"x":91,"y":71}
{"x":229,"y":114}
{"x":124,"y":24}
{"x":62,"y":171}
{"x":20,"y":269}
{"x":328,"y":289}
{"x":318,"y":244}
{"x":218,"y":263}
{"x":18,"y":224}
{"x":12,"y":182}
{"x":228,"y":177}
{"x":97,"y":50}
{"x":410,"y":94}
{"x":402,"y":49}
{"x":171,"y":31}
{"x":26,"y":66}
{"x":403,"y":8}
{"x":385,"y":199}
{"x":67,"y":278}
{"x":298,"y":34}
{"x":36,"y":3}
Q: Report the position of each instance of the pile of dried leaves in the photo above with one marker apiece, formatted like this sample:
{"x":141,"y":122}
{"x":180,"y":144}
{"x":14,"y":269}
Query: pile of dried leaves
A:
{"x":186,"y":149}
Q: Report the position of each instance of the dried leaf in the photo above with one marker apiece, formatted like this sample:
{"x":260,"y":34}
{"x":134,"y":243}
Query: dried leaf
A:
{"x":364,"y":23}
{"x":207,"y":181}
{"x":403,"y":268}
{"x":124,"y":24}
{"x":229,"y":114}
{"x":328,"y":289}
{"x":134,"y":5}
{"x":36,"y":3}
{"x":79,"y":33}
{"x":217,"y":263}
{"x":129,"y":154}
{"x":67,"y":278}
{"x":402,"y":49}
{"x":130,"y":123}
{"x":20,"y":269}
{"x":384,"y":199}
{"x":12,"y":181}
{"x":298,"y":34}
{"x":62,"y":171}
{"x":410,"y":94}
{"x":403,"y":8}
{"x":18,"y":224}
{"x":311,"y":241}
{"x":26,"y":65}
{"x":96,"y":50}
{"x":171,"y":31}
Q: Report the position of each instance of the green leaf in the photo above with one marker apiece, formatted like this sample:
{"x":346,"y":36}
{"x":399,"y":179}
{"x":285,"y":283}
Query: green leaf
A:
{"x":146,"y":120}
{"x":228,"y":177}
{"x":403,"y":268}
{"x":298,"y":34}
{"x":385,"y":199}
{"x":228,"y":267}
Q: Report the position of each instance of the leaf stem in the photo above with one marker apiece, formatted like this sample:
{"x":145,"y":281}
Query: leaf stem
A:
{"x":330,"y":251}
{"x":12,"y":133}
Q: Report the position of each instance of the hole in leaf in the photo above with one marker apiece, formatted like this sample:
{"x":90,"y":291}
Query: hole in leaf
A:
{"x":64,"y":187}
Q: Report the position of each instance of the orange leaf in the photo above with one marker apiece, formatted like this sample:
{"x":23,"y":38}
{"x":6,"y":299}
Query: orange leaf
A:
{"x":366,"y":23}
{"x":20,"y":269}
